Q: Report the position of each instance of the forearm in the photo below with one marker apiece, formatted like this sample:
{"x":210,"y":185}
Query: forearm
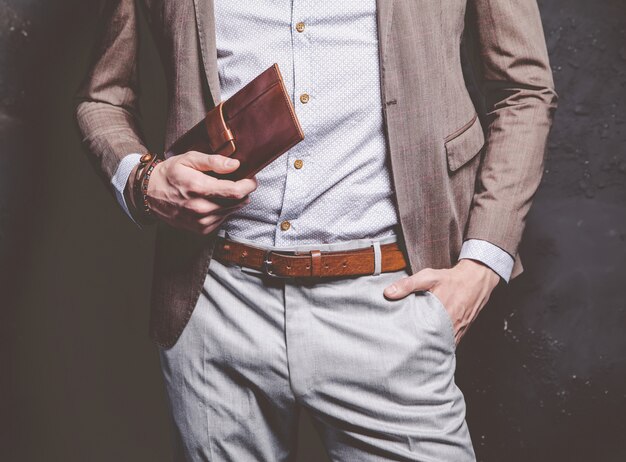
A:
{"x":107,"y":101}
{"x":514,"y":74}
{"x":109,"y":134}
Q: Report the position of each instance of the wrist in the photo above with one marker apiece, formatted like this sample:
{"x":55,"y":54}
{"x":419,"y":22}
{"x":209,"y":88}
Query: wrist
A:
{"x":482,"y":270}
{"x":137,"y":188}
{"x":129,"y":190}
{"x":141,"y":195}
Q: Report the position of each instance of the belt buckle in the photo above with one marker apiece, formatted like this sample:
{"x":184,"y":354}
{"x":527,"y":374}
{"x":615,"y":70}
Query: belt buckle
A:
{"x":266,"y":267}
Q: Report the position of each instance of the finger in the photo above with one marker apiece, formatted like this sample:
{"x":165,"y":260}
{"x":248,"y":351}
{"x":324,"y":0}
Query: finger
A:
{"x":209,"y":220}
{"x":220,"y":213}
{"x":211,"y":227}
{"x":230,"y":208}
{"x":210,"y":187}
{"x":422,"y":280}
{"x":209,"y":162}
{"x":200,"y":207}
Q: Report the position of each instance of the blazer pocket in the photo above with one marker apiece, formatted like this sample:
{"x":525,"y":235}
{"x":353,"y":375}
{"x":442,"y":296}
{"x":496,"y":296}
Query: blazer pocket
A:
{"x":464,"y":144}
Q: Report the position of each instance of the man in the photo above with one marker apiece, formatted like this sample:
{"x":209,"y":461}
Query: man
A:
{"x":393,"y":220}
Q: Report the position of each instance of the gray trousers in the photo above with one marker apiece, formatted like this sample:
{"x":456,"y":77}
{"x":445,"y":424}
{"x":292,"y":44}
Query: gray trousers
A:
{"x":376,"y":376}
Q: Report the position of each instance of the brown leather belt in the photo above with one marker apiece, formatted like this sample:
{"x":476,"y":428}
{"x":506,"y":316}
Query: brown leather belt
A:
{"x":312,"y":263}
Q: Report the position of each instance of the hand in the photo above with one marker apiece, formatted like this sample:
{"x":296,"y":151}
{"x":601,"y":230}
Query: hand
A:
{"x":463,"y":290}
{"x":181,"y":195}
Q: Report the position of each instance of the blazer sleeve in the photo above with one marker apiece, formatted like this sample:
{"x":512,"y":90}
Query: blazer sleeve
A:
{"x":510,"y":63}
{"x":106,"y":103}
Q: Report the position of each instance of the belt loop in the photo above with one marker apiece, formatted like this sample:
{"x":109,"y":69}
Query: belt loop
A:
{"x":316,"y":263}
{"x":377,"y":258}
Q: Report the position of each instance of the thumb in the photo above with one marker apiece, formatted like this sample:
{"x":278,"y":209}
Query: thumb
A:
{"x":209,"y":162}
{"x":422,"y":280}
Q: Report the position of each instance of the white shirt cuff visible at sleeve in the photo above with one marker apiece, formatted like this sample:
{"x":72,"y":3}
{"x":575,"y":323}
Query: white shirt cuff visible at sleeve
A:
{"x":120,"y":178}
{"x":490,"y":254}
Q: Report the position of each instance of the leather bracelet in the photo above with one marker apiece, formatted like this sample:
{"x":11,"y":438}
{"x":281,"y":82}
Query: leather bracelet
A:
{"x":145,"y":179}
{"x":144,"y":214}
{"x":143,"y":162}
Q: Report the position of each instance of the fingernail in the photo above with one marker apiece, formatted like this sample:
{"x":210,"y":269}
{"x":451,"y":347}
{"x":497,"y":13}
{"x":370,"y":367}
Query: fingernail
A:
{"x":391,"y":289}
{"x":231,"y":162}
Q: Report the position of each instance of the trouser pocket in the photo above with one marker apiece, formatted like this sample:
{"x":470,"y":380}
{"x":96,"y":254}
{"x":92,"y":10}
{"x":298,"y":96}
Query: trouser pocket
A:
{"x":445,"y":321}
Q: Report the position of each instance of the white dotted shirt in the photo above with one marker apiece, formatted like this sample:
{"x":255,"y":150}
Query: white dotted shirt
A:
{"x":327,"y":52}
{"x":336,"y":184}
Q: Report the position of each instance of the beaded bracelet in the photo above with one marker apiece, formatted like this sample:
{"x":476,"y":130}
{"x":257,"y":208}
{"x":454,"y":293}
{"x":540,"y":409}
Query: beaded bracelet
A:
{"x":148,"y":215}
{"x":143,"y":163}
{"x":142,"y":212}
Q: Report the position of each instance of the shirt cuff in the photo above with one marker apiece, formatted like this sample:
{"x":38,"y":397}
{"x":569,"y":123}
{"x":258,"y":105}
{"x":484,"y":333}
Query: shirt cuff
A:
{"x":120,"y":178}
{"x":490,"y":254}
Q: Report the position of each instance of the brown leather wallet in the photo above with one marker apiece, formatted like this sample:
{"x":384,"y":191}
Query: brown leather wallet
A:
{"x":309,"y":264}
{"x":255,"y":125}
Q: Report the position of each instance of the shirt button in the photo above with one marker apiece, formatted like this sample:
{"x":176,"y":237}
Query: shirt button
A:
{"x":298,"y":163}
{"x":300,"y":27}
{"x":285,"y":225}
{"x":304,"y":98}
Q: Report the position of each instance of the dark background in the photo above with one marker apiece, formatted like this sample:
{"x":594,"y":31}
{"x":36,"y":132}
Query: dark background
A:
{"x":543,"y":370}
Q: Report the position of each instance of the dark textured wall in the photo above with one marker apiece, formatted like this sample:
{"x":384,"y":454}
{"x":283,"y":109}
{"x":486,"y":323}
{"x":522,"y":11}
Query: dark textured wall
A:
{"x":543,"y":369}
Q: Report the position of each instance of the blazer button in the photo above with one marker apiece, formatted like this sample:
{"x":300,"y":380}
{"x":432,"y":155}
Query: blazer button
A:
{"x":285,"y":225}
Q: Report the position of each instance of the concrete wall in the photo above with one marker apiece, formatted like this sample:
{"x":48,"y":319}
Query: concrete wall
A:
{"x":543,"y":369}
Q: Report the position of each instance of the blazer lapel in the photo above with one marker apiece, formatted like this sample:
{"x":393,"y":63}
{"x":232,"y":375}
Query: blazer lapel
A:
{"x":205,"y":24}
{"x":385,"y":10}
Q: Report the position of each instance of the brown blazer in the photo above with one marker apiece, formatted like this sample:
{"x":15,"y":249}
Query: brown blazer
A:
{"x":446,"y":192}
